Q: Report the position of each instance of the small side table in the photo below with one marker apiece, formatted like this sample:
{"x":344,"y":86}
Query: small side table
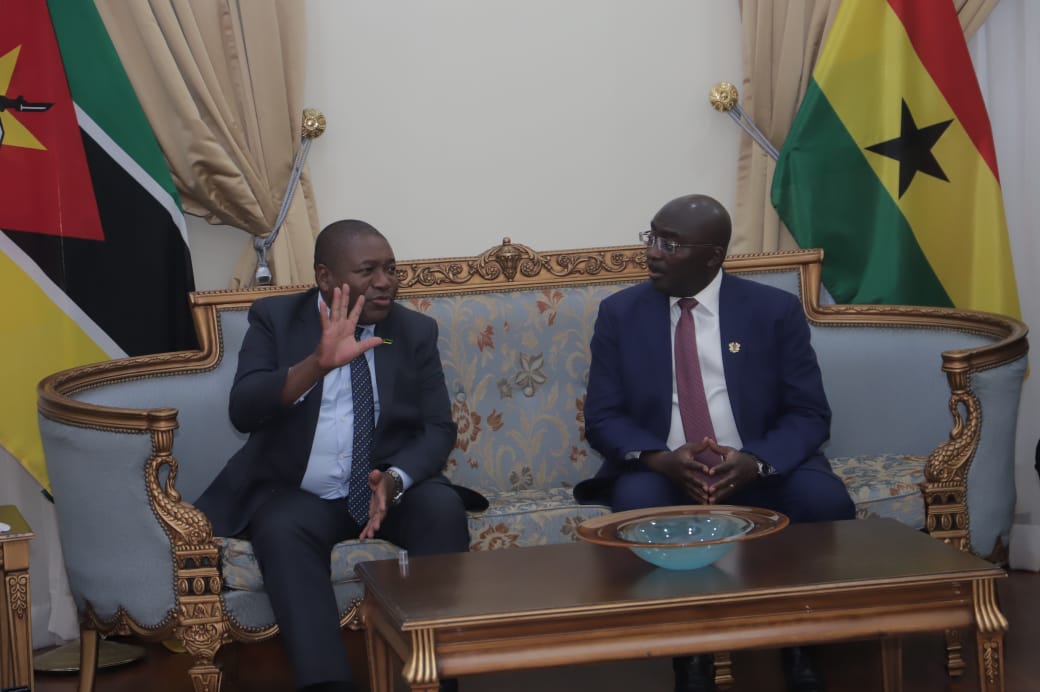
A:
{"x":16,"y":668}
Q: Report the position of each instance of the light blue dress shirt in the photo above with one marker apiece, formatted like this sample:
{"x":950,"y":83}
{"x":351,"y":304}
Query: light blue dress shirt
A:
{"x":332,"y":451}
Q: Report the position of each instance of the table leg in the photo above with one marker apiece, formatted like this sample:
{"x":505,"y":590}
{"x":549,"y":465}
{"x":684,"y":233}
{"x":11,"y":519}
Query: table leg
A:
{"x":991,"y":625}
{"x":380,"y":661}
{"x":723,"y":670}
{"x":15,"y":615}
{"x":954,"y":661}
{"x":420,"y":671}
{"x":892,"y":664}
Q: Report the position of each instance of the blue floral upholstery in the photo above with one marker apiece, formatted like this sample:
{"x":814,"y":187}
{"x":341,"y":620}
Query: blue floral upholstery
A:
{"x":241,"y":572}
{"x":516,"y":365}
{"x":885,"y":485}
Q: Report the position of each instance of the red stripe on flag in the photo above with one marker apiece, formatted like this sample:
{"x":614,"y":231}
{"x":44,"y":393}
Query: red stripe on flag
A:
{"x":936,"y":35}
{"x":41,"y":190}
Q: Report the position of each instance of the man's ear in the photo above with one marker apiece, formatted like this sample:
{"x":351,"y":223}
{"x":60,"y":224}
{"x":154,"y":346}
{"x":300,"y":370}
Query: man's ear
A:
{"x":323,"y":277}
{"x":718,"y":256}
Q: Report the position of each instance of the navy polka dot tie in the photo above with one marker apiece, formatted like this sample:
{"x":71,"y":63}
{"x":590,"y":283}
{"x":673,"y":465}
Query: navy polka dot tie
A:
{"x":364,"y":428}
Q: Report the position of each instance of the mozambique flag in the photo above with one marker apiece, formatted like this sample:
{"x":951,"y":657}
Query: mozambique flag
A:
{"x":94,"y":259}
{"x":890,"y":165}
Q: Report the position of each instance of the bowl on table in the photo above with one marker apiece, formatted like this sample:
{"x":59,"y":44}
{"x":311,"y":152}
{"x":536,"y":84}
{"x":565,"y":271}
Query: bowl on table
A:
{"x":683,"y":537}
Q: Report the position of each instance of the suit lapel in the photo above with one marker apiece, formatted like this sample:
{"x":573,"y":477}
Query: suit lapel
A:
{"x":388,"y":358}
{"x":306,"y":333}
{"x":733,"y":332}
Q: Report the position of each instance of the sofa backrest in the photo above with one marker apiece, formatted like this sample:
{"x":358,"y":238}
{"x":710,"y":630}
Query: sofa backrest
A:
{"x":514,"y":339}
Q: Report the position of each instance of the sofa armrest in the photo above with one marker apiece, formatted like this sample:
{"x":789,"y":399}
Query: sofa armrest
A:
{"x":139,"y":558}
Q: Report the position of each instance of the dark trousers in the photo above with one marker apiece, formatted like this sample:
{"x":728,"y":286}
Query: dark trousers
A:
{"x":804,"y":495}
{"x":293,"y":534}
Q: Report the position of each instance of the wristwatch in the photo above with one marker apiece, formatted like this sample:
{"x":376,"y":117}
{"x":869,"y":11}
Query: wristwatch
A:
{"x":398,"y":491}
{"x":764,"y":469}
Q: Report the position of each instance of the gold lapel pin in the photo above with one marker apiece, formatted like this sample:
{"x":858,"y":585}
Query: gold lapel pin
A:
{"x":734,"y":347}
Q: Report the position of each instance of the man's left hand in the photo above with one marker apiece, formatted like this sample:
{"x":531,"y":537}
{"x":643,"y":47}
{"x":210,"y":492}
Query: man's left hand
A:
{"x":382,"y":486}
{"x":736,"y":470}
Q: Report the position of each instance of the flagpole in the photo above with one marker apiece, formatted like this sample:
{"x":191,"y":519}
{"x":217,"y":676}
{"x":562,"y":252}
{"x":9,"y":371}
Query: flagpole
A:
{"x":725,"y":98}
{"x":313,"y":127}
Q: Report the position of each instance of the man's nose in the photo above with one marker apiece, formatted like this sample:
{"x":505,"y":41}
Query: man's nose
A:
{"x":653,"y":249}
{"x":381,"y":278}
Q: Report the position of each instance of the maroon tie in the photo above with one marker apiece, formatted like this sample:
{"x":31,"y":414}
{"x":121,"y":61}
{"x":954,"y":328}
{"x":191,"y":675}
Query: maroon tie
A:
{"x":693,"y":405}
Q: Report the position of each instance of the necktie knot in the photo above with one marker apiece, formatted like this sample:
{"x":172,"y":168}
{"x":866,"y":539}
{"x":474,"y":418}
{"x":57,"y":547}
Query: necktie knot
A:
{"x":358,"y":331}
{"x":687,"y":304}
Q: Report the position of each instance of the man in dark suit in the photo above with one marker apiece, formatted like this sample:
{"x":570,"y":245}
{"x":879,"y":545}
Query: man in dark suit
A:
{"x":342,"y":394}
{"x":704,"y":388}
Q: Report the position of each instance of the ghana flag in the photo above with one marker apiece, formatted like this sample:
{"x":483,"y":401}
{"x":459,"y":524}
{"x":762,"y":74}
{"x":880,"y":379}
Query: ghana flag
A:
{"x":890,"y":165}
{"x":94,"y":260}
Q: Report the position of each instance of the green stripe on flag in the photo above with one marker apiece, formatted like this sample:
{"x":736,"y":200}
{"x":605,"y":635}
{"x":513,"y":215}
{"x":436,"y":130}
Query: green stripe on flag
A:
{"x":871,"y":253}
{"x":87,"y":52}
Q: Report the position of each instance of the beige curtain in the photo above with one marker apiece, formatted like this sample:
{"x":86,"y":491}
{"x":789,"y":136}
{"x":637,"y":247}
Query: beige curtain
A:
{"x":782,"y":40}
{"x":221,"y":82}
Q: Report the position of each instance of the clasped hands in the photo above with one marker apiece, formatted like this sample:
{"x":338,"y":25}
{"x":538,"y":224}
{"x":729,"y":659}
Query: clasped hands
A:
{"x":707,"y":485}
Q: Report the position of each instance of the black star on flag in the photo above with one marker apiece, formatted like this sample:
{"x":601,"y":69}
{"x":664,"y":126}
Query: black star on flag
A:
{"x":913,"y":149}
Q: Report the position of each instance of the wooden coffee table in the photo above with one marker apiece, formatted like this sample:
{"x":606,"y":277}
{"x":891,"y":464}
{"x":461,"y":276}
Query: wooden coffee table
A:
{"x":461,"y":614}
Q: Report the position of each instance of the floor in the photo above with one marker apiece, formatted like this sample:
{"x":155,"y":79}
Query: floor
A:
{"x":848,"y":667}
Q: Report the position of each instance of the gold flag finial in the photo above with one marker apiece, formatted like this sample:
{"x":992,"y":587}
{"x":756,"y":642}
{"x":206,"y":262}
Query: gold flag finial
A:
{"x":313,"y":123}
{"x":724,"y":97}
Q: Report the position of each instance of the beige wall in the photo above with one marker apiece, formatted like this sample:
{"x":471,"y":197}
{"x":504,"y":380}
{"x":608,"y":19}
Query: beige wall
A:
{"x":560,"y":124}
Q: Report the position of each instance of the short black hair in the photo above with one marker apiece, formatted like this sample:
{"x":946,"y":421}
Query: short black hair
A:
{"x":332,"y":239}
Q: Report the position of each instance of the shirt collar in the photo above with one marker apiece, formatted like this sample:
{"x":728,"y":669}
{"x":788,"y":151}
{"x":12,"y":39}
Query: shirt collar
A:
{"x":708,"y":296}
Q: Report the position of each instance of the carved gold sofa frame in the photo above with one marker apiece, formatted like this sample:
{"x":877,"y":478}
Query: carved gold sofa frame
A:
{"x":130,"y":442}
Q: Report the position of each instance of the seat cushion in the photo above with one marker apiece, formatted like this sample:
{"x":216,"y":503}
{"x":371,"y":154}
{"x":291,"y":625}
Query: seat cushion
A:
{"x":240,"y":571}
{"x":885,"y":485}
{"x":529,"y":517}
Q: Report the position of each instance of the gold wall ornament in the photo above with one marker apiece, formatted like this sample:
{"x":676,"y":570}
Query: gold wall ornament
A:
{"x":724,"y":97}
{"x":313,"y":123}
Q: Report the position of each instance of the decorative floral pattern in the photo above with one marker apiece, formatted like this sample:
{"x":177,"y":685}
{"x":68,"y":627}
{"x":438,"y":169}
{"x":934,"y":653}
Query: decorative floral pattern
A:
{"x":495,"y":537}
{"x":886,"y":485}
{"x":552,"y":298}
{"x":468,"y":422}
{"x":241,"y":572}
{"x":530,"y":376}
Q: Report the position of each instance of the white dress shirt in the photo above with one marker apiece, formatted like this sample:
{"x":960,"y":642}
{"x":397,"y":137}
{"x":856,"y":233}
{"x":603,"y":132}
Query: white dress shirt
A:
{"x":709,"y":353}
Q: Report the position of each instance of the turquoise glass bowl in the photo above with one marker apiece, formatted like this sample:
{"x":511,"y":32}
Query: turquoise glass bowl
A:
{"x":684,"y":542}
{"x":683,"y":537}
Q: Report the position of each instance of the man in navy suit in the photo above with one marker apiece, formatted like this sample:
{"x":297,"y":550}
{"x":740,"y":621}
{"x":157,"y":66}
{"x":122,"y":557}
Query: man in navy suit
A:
{"x":752,"y":434}
{"x":342,"y":394}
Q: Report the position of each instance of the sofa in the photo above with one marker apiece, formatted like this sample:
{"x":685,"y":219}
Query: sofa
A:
{"x":924,"y":406}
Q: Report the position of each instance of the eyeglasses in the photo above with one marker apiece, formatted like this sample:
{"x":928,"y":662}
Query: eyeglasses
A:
{"x":665,"y":245}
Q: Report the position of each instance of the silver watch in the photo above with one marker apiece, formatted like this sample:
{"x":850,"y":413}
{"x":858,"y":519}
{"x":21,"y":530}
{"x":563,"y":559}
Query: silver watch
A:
{"x":398,"y":486}
{"x":764,"y":469}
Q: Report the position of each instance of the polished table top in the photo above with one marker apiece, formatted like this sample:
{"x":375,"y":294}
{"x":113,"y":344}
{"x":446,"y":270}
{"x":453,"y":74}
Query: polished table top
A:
{"x":469,"y":588}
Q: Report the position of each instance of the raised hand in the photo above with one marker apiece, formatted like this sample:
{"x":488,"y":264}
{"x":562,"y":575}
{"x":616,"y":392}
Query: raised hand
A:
{"x":338,"y":345}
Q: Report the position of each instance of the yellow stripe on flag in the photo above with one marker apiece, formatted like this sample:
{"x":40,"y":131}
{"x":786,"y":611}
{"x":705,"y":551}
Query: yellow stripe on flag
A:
{"x":39,"y":339}
{"x":867,"y":69}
